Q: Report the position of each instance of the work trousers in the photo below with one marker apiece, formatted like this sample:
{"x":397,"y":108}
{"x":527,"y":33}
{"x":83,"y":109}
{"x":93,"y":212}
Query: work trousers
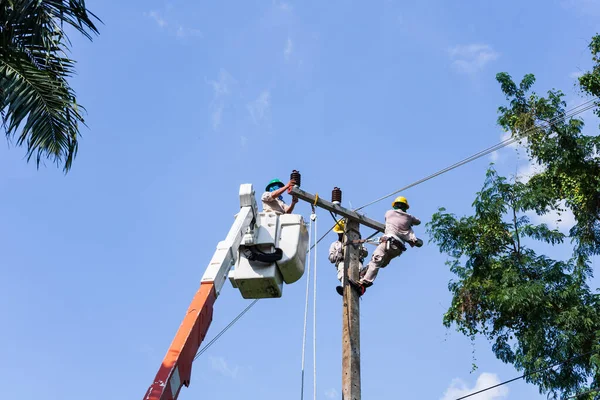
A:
{"x":382,"y":256}
{"x":340,"y":270}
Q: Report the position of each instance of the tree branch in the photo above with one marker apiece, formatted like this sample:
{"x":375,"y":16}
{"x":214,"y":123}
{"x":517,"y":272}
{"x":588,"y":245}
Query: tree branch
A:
{"x":518,"y":246}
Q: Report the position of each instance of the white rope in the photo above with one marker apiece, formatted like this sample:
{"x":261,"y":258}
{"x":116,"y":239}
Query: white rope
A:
{"x":312,"y":234}
{"x":306,"y":310}
{"x":315,"y":315}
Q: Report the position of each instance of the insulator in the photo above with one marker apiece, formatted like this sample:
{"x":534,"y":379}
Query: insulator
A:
{"x":336,"y":195}
{"x":295,"y":176}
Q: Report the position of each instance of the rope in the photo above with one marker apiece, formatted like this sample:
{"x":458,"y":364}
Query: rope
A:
{"x":310,"y":235}
{"x":570,"y":113}
{"x":315,"y":318}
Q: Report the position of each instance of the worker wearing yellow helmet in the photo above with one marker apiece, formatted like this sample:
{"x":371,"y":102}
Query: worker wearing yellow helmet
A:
{"x":398,"y":231}
{"x":336,"y":253}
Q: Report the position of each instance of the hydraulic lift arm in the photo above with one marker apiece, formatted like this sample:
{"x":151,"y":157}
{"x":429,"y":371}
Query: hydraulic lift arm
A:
{"x":176,"y":368}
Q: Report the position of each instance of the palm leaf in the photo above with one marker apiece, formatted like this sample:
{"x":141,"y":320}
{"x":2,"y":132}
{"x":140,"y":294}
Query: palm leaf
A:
{"x":40,"y":104}
{"x":37,"y":104}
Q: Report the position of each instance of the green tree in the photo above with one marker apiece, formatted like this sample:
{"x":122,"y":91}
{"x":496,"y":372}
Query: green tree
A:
{"x":537,"y":312}
{"x":37,"y":105}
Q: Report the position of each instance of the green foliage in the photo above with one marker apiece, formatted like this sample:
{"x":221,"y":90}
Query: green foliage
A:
{"x":37,"y":104}
{"x":590,"y":82}
{"x":536,"y":311}
{"x":570,"y":158}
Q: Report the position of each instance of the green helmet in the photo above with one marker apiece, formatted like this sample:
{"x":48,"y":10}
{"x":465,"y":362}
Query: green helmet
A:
{"x":274,"y":182}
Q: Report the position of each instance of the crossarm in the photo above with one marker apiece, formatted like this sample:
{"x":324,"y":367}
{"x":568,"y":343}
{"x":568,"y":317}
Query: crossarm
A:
{"x":336,"y":208}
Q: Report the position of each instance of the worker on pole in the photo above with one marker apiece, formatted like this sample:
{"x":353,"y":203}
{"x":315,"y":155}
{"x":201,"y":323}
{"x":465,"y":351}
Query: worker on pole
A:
{"x":336,"y":254}
{"x":272,"y":199}
{"x":398,"y":230}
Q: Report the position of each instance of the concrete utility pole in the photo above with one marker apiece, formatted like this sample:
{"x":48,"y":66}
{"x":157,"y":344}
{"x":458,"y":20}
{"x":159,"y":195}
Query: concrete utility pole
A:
{"x":351,"y":309}
{"x":351,"y":316}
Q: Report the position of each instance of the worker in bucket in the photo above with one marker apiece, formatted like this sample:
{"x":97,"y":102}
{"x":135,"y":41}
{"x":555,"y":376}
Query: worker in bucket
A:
{"x":272,"y":199}
{"x":336,"y":254}
{"x":398,"y":231}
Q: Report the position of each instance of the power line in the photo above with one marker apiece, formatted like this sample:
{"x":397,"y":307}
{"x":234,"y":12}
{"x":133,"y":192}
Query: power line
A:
{"x":570,"y":113}
{"x":581,"y":394}
{"x":240,"y":315}
{"x":526,"y":375}
{"x":475,"y":156}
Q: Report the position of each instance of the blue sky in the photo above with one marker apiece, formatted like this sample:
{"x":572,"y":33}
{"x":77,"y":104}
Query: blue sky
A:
{"x":187,"y":100}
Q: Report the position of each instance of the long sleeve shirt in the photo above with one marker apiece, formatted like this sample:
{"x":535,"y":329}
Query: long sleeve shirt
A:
{"x":399,"y":223}
{"x":270,"y":204}
{"x":336,"y":252}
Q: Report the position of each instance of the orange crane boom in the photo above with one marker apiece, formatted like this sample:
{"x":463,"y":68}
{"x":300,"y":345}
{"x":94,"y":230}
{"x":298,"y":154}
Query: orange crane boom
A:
{"x":176,"y":368}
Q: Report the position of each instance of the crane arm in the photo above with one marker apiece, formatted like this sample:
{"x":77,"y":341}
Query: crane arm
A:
{"x":257,"y":275}
{"x":176,"y":368}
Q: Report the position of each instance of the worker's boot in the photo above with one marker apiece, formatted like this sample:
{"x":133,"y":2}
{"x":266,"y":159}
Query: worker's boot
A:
{"x":362,"y":288}
{"x":419,"y":243}
{"x":364,"y":283}
{"x":340,"y":289}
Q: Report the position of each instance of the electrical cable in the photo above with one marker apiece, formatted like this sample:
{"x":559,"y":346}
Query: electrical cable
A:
{"x":475,"y":156}
{"x":526,"y":375}
{"x":236,"y":319}
{"x":581,"y":394}
{"x":570,"y":113}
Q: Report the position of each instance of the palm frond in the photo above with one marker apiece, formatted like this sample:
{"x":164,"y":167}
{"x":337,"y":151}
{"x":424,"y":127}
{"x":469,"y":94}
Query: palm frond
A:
{"x":35,"y":97}
{"x":40,"y":104}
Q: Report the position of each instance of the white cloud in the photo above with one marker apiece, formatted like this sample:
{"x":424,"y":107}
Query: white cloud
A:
{"x":459,"y":388}
{"x":289,"y":46}
{"x":575,"y":74}
{"x":563,"y":221}
{"x":259,"y":108}
{"x":282,"y":5}
{"x":183,"y":32}
{"x":221,"y":366}
{"x":508,"y":135}
{"x":217,"y":115}
{"x":221,"y":89}
{"x":179,"y":30}
{"x":526,"y":171}
{"x":157,"y":17}
{"x":223,"y":84}
{"x":495,"y":155}
{"x":471,"y":58}
{"x":331,"y":393}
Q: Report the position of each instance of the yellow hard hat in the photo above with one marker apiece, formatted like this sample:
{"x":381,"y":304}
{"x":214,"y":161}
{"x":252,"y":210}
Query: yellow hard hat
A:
{"x":400,"y":199}
{"x":340,"y":226}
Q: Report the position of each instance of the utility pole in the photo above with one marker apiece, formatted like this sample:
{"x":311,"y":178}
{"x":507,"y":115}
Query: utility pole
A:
{"x":351,"y":315}
{"x":351,"y":305}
